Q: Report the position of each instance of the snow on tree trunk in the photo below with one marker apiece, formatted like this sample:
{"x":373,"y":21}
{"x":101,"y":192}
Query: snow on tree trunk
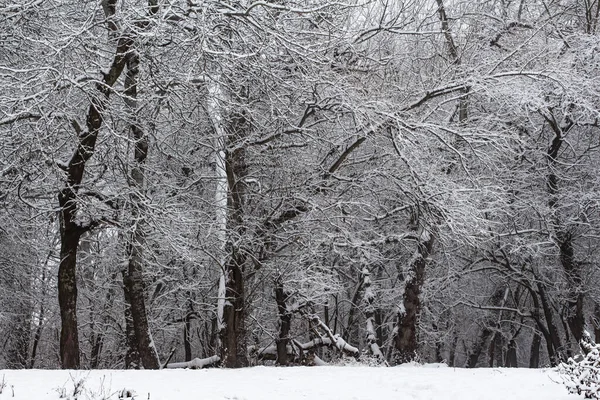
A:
{"x":215,"y":94}
{"x":70,"y":229}
{"x":230,"y":192}
{"x":285,"y":321}
{"x":196,"y":363}
{"x":369,"y":299}
{"x":406,"y":331}
{"x":136,"y":245}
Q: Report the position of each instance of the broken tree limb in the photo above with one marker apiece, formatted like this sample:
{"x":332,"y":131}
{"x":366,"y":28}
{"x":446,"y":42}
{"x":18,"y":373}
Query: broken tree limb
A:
{"x":196,"y":363}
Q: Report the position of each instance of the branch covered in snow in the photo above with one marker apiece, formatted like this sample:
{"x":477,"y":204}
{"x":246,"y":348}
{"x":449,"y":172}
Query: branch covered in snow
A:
{"x":196,"y":363}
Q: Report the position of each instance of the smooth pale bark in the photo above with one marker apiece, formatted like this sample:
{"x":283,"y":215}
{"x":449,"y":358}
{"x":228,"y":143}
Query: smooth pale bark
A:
{"x":231,"y":171}
{"x":215,"y":94}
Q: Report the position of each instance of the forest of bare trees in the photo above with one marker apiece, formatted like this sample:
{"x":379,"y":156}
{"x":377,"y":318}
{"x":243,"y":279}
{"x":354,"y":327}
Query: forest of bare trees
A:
{"x":203,"y":182}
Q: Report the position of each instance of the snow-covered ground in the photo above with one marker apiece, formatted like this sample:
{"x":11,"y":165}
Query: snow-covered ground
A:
{"x":264,"y":383}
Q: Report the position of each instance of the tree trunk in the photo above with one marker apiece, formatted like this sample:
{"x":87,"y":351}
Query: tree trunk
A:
{"x":406,"y":340}
{"x":234,"y":333}
{"x":596,"y":323}
{"x":534,"y":354}
{"x":475,"y":353}
{"x":132,"y":354}
{"x":187,"y":344}
{"x":511,"y":354}
{"x":498,"y":298}
{"x":234,"y":337}
{"x":70,"y":229}
{"x":564,"y":238}
{"x":369,"y":300}
{"x":285,"y":322}
{"x":575,"y":317}
{"x":135,"y":249}
{"x":555,"y":348}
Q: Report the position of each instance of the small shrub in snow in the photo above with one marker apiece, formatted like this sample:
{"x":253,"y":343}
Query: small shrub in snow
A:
{"x":582,"y":376}
{"x":127,"y":394}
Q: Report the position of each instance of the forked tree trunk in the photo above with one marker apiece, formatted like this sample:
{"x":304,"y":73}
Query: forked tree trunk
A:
{"x":554,"y":346}
{"x":487,"y":331}
{"x":231,"y":171}
{"x":563,"y":238}
{"x":70,"y":229}
{"x":134,"y":279}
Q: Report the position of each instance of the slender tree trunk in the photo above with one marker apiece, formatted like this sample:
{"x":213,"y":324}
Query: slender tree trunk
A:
{"x":98,"y":337}
{"x":216,"y":94}
{"x":285,"y":322}
{"x":187,"y":332}
{"x":498,"y":298}
{"x":511,"y":355}
{"x":132,"y":354}
{"x":596,"y":323}
{"x":38,"y":332}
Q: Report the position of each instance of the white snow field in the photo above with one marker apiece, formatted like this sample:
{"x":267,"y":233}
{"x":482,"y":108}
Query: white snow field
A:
{"x":264,"y":383}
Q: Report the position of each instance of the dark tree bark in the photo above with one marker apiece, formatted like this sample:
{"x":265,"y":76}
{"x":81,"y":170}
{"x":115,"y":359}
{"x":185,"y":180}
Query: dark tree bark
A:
{"x":70,"y":229}
{"x":233,"y":338}
{"x":575,"y":317}
{"x":187,"y":343}
{"x":134,"y":279}
{"x":534,"y":354}
{"x":38,"y":334}
{"x":132,"y":354}
{"x":511,"y":354}
{"x":487,"y":331}
{"x":17,"y":355}
{"x":554,"y":346}
{"x":406,"y":340}
{"x":596,"y":323}
{"x":233,"y":335}
{"x":477,"y":349}
{"x":97,"y":338}
{"x":563,"y":237}
{"x":285,"y":322}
